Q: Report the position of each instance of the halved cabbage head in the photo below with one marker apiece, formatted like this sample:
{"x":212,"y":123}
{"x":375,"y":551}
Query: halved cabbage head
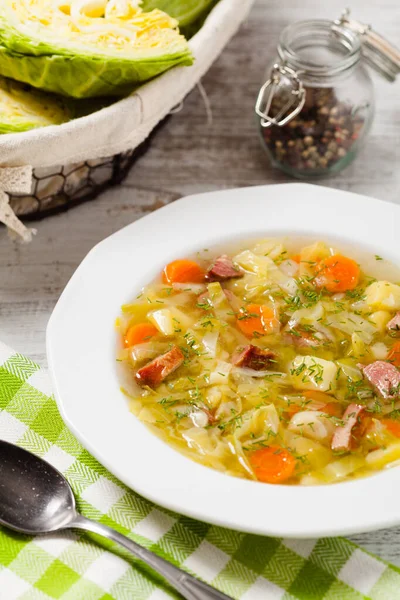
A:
{"x":22,"y":109}
{"x":87,"y":48}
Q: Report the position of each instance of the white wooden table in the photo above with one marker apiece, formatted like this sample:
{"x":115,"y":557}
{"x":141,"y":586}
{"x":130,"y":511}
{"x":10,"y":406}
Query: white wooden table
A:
{"x":189,"y":156}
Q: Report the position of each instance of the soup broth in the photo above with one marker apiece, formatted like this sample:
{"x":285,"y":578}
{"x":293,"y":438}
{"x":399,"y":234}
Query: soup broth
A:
{"x":274,"y":360}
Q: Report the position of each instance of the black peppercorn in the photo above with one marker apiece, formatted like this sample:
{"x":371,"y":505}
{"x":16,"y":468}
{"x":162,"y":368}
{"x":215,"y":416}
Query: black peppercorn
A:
{"x":317,"y":139}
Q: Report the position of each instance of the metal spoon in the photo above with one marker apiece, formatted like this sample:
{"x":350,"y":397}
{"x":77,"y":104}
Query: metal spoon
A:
{"x":36,"y":499}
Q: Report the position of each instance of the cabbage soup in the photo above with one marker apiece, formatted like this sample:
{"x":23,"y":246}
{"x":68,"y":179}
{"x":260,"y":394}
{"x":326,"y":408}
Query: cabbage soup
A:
{"x":274,"y":360}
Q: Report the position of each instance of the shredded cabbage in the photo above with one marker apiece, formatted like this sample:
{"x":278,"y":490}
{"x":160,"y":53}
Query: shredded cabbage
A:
{"x":351,"y":323}
{"x":314,"y":425}
{"x":210,"y":342}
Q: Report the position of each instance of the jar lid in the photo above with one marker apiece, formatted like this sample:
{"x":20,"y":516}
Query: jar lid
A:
{"x":377,"y":51}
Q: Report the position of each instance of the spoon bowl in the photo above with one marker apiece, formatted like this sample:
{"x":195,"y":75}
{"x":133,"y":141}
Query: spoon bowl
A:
{"x":34,"y":497}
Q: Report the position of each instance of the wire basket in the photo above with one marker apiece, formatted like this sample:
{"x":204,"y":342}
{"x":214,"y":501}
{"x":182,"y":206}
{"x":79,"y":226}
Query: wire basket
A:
{"x":58,"y":189}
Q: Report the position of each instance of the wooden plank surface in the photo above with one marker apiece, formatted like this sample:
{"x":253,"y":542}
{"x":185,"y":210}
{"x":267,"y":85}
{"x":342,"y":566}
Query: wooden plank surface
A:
{"x":187,"y":156}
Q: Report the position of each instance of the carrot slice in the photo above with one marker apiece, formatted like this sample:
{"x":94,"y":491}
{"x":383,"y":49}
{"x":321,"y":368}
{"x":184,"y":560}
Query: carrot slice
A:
{"x":333,"y":409}
{"x":140,"y":333}
{"x":337,"y":273}
{"x":183,"y":271}
{"x":330,"y":408}
{"x":393,"y":426}
{"x":257,"y":319}
{"x":273,"y":464}
{"x":292,"y":409}
{"x":394,"y":355}
{"x":296,"y":258}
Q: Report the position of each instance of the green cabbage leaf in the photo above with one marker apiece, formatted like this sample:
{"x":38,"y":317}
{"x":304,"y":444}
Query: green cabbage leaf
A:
{"x":186,"y":12}
{"x":87,"y":48}
{"x":191,"y":29}
{"x":23,"y":108}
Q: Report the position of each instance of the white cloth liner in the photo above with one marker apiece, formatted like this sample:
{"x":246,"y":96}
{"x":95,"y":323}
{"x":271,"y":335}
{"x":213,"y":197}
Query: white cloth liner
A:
{"x":15,"y":180}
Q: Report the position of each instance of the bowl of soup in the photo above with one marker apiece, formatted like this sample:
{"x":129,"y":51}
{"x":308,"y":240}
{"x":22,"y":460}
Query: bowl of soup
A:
{"x":274,"y":360}
{"x":235,"y":357}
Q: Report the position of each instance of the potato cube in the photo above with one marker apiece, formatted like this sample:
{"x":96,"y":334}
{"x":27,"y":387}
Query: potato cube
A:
{"x":377,"y":459}
{"x":169,"y":320}
{"x":380,"y":319}
{"x":379,"y":351}
{"x":312,"y":373}
{"x":383,"y":295}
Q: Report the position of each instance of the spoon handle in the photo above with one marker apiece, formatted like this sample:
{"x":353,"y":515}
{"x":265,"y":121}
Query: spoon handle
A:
{"x":189,"y":587}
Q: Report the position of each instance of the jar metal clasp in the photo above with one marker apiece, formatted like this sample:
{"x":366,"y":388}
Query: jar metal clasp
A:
{"x":377,"y":51}
{"x":294,"y":104}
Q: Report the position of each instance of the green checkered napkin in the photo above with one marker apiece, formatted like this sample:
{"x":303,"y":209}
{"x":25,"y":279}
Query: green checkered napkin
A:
{"x":72,"y":566}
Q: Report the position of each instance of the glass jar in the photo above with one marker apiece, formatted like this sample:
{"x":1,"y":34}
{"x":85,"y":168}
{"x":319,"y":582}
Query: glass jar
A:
{"x":318,"y":104}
